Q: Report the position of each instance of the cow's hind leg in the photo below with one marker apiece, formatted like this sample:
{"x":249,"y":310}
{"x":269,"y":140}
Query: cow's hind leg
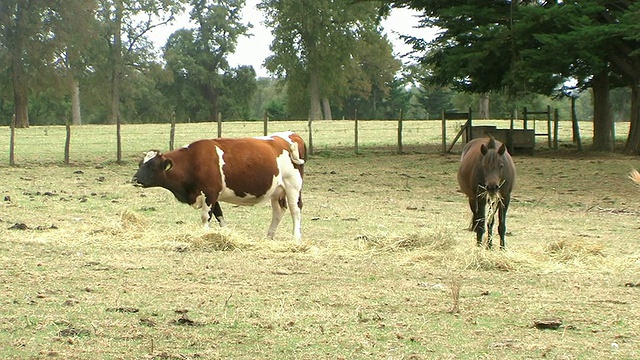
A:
{"x":295,"y":205}
{"x":277,"y":211}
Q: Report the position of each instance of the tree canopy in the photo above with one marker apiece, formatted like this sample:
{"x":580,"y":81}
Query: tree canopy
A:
{"x":530,"y":46}
{"x":326,"y":50}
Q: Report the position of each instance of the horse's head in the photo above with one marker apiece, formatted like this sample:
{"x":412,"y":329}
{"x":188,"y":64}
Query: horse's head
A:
{"x":493,"y":163}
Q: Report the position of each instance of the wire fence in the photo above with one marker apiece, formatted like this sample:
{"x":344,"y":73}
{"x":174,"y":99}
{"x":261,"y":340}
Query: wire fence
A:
{"x":97,"y":143}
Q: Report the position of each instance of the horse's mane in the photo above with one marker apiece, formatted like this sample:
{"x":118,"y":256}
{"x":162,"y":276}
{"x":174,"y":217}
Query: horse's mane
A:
{"x":492,"y":142}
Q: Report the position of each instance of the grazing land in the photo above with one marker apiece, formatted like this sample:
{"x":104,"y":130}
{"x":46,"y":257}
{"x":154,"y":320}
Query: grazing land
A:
{"x":92,"y":267}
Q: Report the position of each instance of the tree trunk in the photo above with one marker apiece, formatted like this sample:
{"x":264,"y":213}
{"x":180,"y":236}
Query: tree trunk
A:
{"x":115,"y":80}
{"x":483,"y":106}
{"x":315,"y":111}
{"x":326,"y":109}
{"x":20,"y":97}
{"x":602,"y":118}
{"x":75,"y":102}
{"x":212,"y":95}
{"x":633,"y":140}
{"x":18,"y":78}
{"x":116,"y":53}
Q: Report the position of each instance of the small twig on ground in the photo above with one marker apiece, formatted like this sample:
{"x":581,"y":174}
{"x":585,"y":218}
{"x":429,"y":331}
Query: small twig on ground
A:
{"x":455,"y":296}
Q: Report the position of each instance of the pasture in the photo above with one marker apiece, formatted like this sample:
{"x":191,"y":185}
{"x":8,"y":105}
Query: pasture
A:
{"x":92,"y":267}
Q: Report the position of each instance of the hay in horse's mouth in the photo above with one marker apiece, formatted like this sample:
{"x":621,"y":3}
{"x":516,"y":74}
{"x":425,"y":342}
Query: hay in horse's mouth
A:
{"x":491,"y":198}
{"x":493,"y":201}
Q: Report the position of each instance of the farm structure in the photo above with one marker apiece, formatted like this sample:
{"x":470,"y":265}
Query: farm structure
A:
{"x":519,"y":137}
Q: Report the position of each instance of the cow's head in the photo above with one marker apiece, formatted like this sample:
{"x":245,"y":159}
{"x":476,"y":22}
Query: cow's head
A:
{"x":152,"y":169}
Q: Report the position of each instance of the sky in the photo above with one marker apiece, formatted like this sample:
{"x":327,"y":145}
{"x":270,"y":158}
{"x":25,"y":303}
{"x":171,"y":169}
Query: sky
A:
{"x":255,"y":49}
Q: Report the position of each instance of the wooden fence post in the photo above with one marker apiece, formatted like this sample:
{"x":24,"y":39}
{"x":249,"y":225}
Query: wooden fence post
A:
{"x":12,"y":141}
{"x":172,"y":132}
{"x":67,"y":143}
{"x":400,"y":133}
{"x":574,"y":124}
{"x":118,"y":140}
{"x":444,"y":132}
{"x":266,"y":124}
{"x":555,"y":129}
{"x":356,"y":132}
{"x":613,"y":133}
{"x":310,"y":137}
{"x":219,"y":120}
{"x":549,"y":126}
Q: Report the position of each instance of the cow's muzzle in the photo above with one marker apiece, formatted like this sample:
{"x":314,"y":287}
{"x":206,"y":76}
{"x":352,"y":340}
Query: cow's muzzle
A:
{"x":135,"y":181}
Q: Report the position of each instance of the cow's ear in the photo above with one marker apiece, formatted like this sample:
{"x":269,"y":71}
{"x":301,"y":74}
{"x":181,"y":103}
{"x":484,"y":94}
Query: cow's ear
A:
{"x":167,"y":164}
{"x":483,"y":149}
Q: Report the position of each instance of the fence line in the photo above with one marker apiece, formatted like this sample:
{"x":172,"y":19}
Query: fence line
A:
{"x":97,"y":143}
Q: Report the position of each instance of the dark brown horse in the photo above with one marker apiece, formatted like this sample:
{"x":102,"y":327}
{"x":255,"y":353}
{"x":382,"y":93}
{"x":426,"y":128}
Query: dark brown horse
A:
{"x":487,"y":175}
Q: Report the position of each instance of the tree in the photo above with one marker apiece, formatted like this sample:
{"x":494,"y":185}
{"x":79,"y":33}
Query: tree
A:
{"x":315,"y":51}
{"x":32,"y":35}
{"x":514,"y":46}
{"x":126,"y":24}
{"x":198,"y":57}
{"x":240,"y":86}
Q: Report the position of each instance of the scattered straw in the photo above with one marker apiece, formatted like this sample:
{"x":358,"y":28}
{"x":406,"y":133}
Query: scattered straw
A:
{"x":481,"y":259}
{"x":571,"y":248}
{"x":131,"y":220}
{"x":456,"y":284}
{"x":434,"y":240}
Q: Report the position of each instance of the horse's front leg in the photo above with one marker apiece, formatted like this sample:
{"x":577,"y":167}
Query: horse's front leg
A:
{"x":502,"y":225}
{"x":479,"y":219}
{"x":491,"y":221}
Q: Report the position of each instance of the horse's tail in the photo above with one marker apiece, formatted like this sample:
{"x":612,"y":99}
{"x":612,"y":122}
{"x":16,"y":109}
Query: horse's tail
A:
{"x":635,"y":176}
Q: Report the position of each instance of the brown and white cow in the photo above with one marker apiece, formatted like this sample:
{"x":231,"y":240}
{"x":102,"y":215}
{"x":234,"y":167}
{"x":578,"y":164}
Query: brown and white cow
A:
{"x":635,"y":176}
{"x":245,"y":171}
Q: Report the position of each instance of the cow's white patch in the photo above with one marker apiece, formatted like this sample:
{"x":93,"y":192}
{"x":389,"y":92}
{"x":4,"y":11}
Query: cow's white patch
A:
{"x":286,"y":135}
{"x":201,"y":203}
{"x":293,"y":146}
{"x":149,"y":155}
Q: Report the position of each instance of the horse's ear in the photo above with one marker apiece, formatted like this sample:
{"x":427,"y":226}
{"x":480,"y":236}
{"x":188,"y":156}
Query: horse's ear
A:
{"x":502,"y":149}
{"x":483,"y":149}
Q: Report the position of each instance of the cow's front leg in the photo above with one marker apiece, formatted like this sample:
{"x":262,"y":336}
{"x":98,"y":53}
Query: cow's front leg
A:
{"x":201,"y":203}
{"x":216,"y":211}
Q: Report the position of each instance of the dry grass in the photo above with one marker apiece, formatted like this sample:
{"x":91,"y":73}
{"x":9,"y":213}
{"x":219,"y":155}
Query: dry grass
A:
{"x":386,"y":268}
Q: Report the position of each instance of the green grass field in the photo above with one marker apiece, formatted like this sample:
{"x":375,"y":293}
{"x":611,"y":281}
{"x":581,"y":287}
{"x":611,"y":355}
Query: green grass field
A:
{"x":92,"y":267}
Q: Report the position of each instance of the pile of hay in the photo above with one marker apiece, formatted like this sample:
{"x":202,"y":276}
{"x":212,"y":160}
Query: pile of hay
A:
{"x":432,"y":240}
{"x":570,"y":249}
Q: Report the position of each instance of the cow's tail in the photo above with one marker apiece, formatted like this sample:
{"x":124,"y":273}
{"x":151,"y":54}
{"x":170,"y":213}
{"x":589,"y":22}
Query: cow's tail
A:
{"x":295,"y":153}
{"x":635,"y":176}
